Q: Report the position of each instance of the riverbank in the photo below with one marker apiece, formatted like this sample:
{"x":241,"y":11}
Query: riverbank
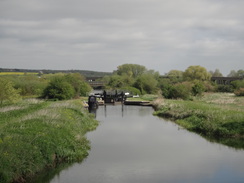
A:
{"x":216,"y":116}
{"x":36,"y":134}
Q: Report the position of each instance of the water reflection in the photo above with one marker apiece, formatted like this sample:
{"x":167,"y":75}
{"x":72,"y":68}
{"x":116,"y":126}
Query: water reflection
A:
{"x":92,"y":110}
{"x":131,"y":145}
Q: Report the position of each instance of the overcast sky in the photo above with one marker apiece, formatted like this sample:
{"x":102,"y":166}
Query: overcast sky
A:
{"x":100,"y":35}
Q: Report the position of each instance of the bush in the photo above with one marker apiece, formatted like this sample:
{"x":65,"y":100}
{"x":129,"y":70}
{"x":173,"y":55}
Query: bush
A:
{"x":8,"y":92}
{"x":225,"y":88}
{"x":198,"y":88}
{"x":181,"y":90}
{"x":239,"y":92}
{"x":238,"y":84}
{"x":209,"y":87}
{"x":81,"y":87}
{"x":59,"y":89}
{"x":146,"y":83}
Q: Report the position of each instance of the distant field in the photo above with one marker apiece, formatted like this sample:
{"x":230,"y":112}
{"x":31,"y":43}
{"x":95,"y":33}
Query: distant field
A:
{"x":17,"y":73}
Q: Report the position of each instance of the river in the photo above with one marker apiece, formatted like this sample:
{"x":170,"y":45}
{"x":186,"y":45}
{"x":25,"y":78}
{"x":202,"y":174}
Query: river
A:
{"x":132,"y":146}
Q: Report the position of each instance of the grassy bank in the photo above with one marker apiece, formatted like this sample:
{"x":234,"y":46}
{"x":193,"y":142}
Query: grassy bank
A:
{"x":219,"y":116}
{"x":36,"y":134}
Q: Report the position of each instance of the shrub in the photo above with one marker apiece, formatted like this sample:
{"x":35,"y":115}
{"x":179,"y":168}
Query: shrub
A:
{"x":81,"y":87}
{"x":238,"y":84}
{"x":209,"y":87}
{"x":198,"y":88}
{"x":29,"y":85}
{"x":59,"y":89}
{"x":239,"y":92}
{"x":225,"y":88}
{"x":8,"y":92}
{"x":181,"y":90}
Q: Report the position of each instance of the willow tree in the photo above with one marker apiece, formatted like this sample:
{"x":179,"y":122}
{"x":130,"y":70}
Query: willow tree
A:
{"x":132,"y":70}
{"x":196,"y":73}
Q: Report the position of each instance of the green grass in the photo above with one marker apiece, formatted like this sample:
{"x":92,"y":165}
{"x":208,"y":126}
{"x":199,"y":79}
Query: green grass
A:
{"x":36,"y":134}
{"x":218,"y":116}
{"x":17,"y":73}
{"x":147,"y":97}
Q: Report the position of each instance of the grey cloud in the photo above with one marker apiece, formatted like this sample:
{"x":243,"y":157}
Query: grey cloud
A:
{"x":162,"y":35}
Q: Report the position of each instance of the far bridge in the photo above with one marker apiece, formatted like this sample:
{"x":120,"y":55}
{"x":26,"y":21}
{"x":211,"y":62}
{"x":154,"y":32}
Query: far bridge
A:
{"x":96,"y":82}
{"x":225,"y":80}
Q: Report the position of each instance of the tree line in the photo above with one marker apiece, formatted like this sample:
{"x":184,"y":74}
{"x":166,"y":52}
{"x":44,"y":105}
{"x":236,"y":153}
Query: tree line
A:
{"x":58,"y":86}
{"x":85,"y":73}
{"x":133,"y":78}
{"x":175,"y":84}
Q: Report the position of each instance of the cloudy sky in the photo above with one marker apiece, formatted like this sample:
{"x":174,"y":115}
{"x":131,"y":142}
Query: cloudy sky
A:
{"x":100,"y":35}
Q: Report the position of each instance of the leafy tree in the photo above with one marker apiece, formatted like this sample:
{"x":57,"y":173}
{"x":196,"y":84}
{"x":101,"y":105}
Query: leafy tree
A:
{"x":175,"y":76}
{"x":146,"y":83}
{"x":8,"y":92}
{"x":166,"y":86}
{"x":238,"y":84}
{"x":85,"y":88}
{"x":181,"y":90}
{"x":196,"y":73}
{"x":59,"y":88}
{"x":81,"y":87}
{"x":233,"y":73}
{"x":240,"y":73}
{"x":132,"y":70}
{"x":116,"y":81}
{"x":216,"y":73}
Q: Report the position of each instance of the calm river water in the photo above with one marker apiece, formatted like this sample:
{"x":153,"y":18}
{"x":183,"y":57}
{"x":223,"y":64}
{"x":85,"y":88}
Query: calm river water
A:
{"x":132,"y":146}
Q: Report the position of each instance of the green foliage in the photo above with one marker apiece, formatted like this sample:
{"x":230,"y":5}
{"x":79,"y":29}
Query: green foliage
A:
{"x":59,"y":89}
{"x":196,"y":73}
{"x":146,"y":83}
{"x":165,"y":85}
{"x":132,"y":70}
{"x":239,"y":92}
{"x":209,"y":87}
{"x":225,"y":88}
{"x":214,"y":116}
{"x":181,"y":91}
{"x":84,"y":88}
{"x":8,"y":92}
{"x":35,"y":135}
{"x":81,"y":87}
{"x":30,"y":85}
{"x":198,"y":88}
{"x":239,"y":73}
{"x":117,"y":81}
{"x":131,"y":90}
{"x":216,"y":73}
{"x":176,"y":91}
{"x":135,"y":77}
{"x":238,"y":84}
{"x":175,"y":76}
